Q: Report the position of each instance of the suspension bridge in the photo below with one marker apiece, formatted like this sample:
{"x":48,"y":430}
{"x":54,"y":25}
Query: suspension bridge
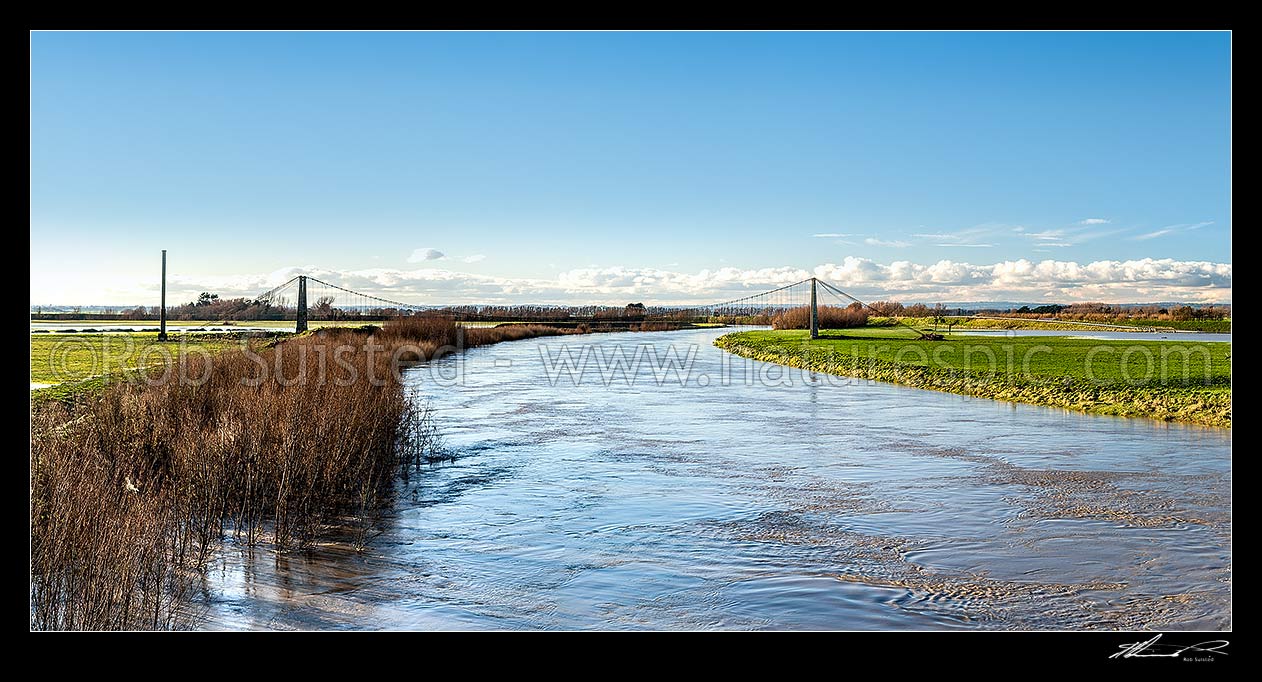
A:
{"x":797,"y":305}
{"x":308,"y":298}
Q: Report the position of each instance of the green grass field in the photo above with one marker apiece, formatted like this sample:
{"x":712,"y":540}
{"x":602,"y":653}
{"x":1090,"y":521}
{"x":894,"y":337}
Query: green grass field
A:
{"x":1215,"y":326}
{"x":1161,"y":379}
{"x":60,"y":358}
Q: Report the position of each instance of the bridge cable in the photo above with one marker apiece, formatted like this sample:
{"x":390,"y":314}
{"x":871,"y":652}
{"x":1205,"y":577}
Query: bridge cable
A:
{"x":835,"y":292}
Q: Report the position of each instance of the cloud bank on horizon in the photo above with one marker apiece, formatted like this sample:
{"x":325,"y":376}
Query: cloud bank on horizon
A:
{"x":1128,"y":281}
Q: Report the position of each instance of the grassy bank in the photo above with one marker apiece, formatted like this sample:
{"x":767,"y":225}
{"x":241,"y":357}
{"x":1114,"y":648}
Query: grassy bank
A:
{"x":1159,"y":379}
{"x":960,"y":323}
{"x":1211,"y":326}
{"x":58,"y":358}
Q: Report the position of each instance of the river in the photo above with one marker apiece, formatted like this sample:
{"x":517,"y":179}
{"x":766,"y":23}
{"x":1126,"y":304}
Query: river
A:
{"x":745,"y":500}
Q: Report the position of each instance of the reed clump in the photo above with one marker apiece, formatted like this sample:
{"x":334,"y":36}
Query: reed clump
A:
{"x":829,"y":317}
{"x":133,"y":488}
{"x":428,"y":337}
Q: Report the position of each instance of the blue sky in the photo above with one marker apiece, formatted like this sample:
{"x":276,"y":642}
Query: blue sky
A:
{"x":576,"y":167}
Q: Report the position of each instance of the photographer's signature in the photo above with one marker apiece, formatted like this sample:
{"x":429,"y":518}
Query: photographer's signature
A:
{"x":1203,"y":651}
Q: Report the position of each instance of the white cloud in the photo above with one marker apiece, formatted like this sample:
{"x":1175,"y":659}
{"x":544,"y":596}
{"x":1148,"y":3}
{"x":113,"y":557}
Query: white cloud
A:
{"x":1094,"y":221}
{"x":1118,"y":281}
{"x":1047,"y":235}
{"x":893,"y":244}
{"x":953,"y":239}
{"x":831,"y":235}
{"x":1068,"y":237}
{"x":421,"y":255}
{"x":945,"y":280}
{"x":1091,"y":236}
{"x":1169,"y":229}
{"x":475,"y":258}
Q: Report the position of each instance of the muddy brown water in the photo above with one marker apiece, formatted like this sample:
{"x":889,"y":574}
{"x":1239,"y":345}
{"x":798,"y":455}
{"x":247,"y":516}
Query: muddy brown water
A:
{"x":755,"y":497}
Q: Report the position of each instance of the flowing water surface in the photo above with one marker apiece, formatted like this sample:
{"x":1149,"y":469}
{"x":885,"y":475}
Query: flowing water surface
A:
{"x":755,"y":497}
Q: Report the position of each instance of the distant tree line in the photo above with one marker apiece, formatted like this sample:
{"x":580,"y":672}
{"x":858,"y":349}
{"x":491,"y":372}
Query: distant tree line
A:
{"x":1105,"y":312}
{"x":896,"y":309}
{"x":209,"y":306}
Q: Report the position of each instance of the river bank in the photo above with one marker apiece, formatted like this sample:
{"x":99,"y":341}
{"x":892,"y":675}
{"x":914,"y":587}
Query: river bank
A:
{"x":1157,"y":380}
{"x":142,"y":475}
{"x":139,"y":474}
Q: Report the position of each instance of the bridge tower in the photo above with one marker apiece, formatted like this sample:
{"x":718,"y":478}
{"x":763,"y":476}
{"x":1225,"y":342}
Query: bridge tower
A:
{"x":301,"y":326}
{"x":162,"y":310}
{"x":814,"y":313}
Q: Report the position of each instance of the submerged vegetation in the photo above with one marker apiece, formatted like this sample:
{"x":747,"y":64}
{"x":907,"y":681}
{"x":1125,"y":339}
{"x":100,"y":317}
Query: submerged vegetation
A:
{"x":425,"y":338}
{"x":1161,"y":380}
